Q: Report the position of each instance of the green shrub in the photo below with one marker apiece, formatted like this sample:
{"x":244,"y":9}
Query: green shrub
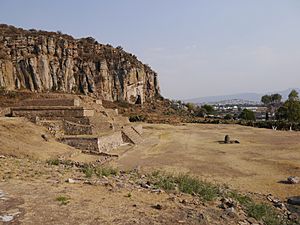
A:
{"x":106,"y":171}
{"x":242,"y":199}
{"x":88,"y":171}
{"x":228,"y":117}
{"x":259,"y":211}
{"x":54,"y":162}
{"x":264,"y":212}
{"x":186,"y":184}
{"x":191,"y":185}
{"x":137,"y":118}
{"x":63,"y":200}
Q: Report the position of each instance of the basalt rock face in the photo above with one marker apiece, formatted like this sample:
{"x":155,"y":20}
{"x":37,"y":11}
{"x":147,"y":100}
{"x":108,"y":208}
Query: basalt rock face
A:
{"x":50,"y":61}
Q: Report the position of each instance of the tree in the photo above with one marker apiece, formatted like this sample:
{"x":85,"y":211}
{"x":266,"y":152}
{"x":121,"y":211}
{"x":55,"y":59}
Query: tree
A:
{"x":294,"y":96}
{"x":247,"y":114}
{"x":208,"y":108}
{"x":266,"y":99}
{"x":290,"y":110}
{"x":228,"y":117}
{"x":271,"y":99}
{"x":276,"y":98}
{"x":272,"y":102}
{"x":293,"y":112}
{"x":200,"y":112}
{"x":281,"y":113}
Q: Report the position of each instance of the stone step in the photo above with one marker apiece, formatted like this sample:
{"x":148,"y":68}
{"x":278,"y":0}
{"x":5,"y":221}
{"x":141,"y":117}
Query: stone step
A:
{"x":92,"y":143}
{"x":121,"y":120}
{"x":138,"y":128}
{"x":82,"y":142}
{"x":51,"y":102}
{"x":110,"y":112}
{"x":55,"y":127}
{"x":51,"y":111}
{"x":71,"y":128}
{"x":131,"y":135}
{"x":100,"y":127}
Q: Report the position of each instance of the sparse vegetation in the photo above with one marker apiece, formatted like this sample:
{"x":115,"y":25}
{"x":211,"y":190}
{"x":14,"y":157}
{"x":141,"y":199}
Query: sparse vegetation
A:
{"x":54,"y":162}
{"x":263,"y":212}
{"x":106,"y":171}
{"x":88,"y":171}
{"x":63,"y":200}
{"x":186,"y":184}
{"x":99,"y":171}
{"x":259,"y":211}
{"x":128,"y":195}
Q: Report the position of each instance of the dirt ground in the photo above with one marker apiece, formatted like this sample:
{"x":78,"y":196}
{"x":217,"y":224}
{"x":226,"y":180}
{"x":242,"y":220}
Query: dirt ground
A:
{"x":29,"y":192}
{"x":30,"y":188}
{"x":258,"y":164}
{"x":21,"y":138}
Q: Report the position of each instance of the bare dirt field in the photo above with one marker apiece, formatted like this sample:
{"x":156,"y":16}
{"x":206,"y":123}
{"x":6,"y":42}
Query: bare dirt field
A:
{"x":34,"y":191}
{"x":258,"y":164}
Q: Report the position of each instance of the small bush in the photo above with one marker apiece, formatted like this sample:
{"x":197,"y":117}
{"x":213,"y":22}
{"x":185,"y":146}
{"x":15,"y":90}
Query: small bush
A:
{"x":166,"y":182}
{"x":137,"y":118}
{"x":265,"y":213}
{"x":88,"y":171}
{"x":228,"y":117}
{"x":259,"y":211}
{"x":106,"y":171}
{"x":242,"y":199}
{"x":63,"y":200}
{"x":128,"y":195}
{"x":54,"y":162}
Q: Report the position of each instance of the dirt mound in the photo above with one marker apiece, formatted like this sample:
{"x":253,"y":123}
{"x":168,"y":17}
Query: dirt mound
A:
{"x":21,"y":138}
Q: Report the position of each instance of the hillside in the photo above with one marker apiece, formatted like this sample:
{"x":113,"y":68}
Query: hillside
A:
{"x":51,"y":61}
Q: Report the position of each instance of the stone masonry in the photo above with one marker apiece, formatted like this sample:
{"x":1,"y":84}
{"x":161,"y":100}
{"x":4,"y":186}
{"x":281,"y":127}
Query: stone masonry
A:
{"x":95,"y":130}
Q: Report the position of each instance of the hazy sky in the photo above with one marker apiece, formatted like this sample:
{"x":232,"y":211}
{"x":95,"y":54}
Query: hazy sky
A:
{"x":198,"y":47}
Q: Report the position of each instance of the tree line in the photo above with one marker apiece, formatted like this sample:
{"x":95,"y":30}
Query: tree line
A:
{"x":286,"y":112}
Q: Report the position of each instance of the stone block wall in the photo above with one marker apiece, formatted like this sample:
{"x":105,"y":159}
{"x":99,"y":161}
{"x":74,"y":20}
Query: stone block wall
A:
{"x":86,"y":144}
{"x":109,"y":142}
{"x":76,"y":129}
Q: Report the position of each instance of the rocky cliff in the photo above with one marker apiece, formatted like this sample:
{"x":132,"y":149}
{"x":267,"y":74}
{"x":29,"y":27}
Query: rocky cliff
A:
{"x":50,"y":61}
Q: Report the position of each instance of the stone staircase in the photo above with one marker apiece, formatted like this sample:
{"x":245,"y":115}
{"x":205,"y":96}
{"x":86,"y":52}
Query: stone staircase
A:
{"x":92,"y":129}
{"x":131,"y":135}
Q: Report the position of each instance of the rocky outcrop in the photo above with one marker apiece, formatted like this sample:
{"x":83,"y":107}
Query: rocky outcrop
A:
{"x":50,"y":61}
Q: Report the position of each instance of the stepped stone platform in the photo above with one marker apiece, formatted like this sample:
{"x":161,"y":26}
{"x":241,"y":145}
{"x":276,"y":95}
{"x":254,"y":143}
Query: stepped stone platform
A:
{"x":51,"y":102}
{"x":90,"y":128}
{"x":53,"y":111}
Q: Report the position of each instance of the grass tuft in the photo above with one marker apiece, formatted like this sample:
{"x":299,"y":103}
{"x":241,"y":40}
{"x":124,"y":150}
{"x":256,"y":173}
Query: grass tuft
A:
{"x":54,"y":162}
{"x":186,"y":184}
{"x":192,"y":185}
{"x":259,"y":211}
{"x":63,"y":200}
{"x":106,"y":171}
{"x":88,"y":171}
{"x":263,"y":212}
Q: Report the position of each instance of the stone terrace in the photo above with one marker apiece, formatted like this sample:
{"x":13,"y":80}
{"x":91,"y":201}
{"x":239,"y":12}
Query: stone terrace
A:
{"x":91,"y":128}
